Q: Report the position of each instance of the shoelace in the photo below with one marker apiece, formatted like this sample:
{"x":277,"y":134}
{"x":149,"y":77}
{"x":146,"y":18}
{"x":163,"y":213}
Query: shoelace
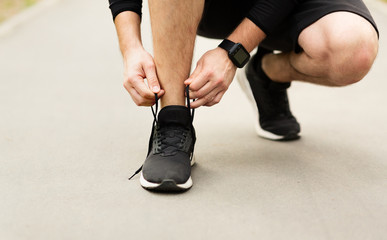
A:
{"x":164,"y":143}
{"x":171,"y":142}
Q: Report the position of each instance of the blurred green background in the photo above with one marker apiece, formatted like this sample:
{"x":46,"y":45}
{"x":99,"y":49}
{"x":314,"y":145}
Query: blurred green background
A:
{"x":8,"y":8}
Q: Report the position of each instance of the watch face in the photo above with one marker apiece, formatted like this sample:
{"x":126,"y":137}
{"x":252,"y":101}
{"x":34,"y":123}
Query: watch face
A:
{"x":238,"y":55}
{"x":241,"y":56}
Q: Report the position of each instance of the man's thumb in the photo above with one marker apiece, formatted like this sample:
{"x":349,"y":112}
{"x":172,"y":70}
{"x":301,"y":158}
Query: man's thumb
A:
{"x":151,"y":77}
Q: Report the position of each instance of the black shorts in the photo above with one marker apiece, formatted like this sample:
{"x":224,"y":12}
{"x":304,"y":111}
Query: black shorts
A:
{"x":221,"y":17}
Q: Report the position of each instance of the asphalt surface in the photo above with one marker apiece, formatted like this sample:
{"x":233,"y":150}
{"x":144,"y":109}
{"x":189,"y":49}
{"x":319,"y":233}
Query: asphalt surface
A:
{"x":70,"y":136}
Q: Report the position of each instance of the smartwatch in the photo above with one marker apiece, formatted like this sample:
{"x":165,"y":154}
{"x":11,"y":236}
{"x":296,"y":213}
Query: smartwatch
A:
{"x":236,"y":52}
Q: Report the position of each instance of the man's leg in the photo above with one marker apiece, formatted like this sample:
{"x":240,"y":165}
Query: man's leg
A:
{"x":339,"y":49}
{"x":174,"y":26}
{"x":170,"y":155}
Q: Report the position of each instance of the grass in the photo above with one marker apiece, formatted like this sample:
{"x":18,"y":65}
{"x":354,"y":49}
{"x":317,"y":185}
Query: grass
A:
{"x":8,"y":8}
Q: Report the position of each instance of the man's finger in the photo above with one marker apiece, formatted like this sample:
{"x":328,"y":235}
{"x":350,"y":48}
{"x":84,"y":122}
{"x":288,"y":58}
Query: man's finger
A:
{"x":194,"y":74}
{"x":206,"y":89}
{"x":143,"y":90}
{"x":161,"y":93}
{"x":205,"y":99}
{"x":140,"y":101}
{"x":199,"y":81}
{"x":215,"y":100}
{"x":151,"y":76}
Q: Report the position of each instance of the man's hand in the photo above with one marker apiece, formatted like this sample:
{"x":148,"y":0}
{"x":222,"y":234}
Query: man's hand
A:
{"x":139,"y":65}
{"x":211,"y":78}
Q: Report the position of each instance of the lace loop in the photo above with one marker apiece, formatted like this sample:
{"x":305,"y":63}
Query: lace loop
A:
{"x":154,"y":111}
{"x":189,"y":103}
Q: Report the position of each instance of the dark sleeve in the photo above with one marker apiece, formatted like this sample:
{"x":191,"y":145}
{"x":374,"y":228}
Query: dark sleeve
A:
{"x":118,"y":6}
{"x":268,"y":14}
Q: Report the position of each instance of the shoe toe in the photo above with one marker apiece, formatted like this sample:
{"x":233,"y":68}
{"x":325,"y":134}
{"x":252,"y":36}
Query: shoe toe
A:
{"x":288,"y":127}
{"x":158,"y":169}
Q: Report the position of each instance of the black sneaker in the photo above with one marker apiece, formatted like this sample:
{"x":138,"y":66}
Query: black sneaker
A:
{"x":276,"y":122}
{"x":170,"y":154}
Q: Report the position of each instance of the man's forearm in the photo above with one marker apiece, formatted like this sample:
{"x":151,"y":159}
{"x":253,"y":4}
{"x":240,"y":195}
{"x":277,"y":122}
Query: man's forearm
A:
{"x":128,"y":31}
{"x":247,"y":33}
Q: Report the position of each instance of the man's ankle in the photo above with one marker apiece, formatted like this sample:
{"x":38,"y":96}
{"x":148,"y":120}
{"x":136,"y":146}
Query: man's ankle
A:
{"x":172,"y":101}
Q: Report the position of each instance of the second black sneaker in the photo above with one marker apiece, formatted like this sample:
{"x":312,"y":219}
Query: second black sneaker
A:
{"x":276,"y":122}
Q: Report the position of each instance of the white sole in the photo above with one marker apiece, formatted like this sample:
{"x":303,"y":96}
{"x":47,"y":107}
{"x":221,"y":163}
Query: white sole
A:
{"x":168,"y":184}
{"x":245,"y":85}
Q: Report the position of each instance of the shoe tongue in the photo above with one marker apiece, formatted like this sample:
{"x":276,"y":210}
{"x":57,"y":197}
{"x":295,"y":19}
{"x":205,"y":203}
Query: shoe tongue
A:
{"x":174,"y":115}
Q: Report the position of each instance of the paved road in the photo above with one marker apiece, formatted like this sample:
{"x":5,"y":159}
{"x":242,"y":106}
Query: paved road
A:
{"x":70,"y":136}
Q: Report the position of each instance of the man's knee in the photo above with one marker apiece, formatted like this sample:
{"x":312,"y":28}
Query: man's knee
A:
{"x":351,"y":57}
{"x":347,"y":51}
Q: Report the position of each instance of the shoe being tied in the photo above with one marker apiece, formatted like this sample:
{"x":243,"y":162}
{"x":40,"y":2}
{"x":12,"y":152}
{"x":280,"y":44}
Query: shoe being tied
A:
{"x":167,"y":166}
{"x":276,"y":122}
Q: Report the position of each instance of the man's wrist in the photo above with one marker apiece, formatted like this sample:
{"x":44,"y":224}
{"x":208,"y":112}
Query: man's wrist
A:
{"x":238,"y":55}
{"x":225,"y":55}
{"x":129,"y":48}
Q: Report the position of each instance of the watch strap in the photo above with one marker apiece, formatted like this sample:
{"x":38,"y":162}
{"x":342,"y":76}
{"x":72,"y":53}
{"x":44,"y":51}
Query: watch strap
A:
{"x":226,"y":44}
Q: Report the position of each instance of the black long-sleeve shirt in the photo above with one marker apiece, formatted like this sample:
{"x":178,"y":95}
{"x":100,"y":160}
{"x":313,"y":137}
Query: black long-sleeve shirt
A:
{"x":266,"y":14}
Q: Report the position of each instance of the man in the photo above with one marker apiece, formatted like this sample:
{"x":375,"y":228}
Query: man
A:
{"x":331,"y":42}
